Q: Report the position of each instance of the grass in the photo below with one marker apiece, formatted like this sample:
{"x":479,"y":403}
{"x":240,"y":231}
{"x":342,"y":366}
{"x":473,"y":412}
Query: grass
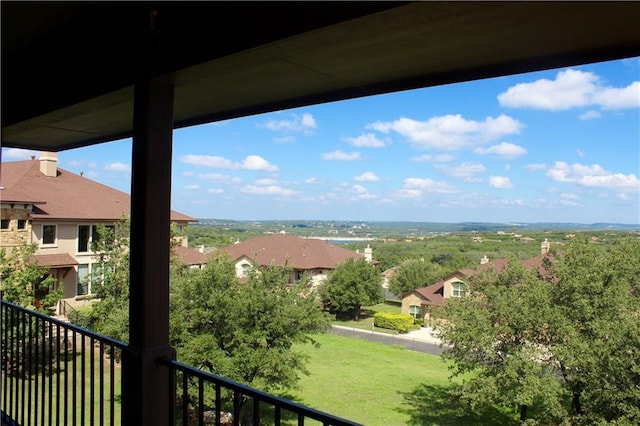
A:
{"x":366,"y":316}
{"x":376,"y":384}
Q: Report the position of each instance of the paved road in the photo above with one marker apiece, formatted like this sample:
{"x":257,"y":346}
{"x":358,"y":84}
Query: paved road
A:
{"x":420,"y":341}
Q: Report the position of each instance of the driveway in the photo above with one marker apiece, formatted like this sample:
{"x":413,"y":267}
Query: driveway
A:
{"x":421,"y":340}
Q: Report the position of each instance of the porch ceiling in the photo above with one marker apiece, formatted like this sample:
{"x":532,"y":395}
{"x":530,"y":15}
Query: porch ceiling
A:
{"x":68,"y":68}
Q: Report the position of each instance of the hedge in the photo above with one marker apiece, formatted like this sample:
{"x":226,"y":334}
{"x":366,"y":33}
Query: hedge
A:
{"x":399,"y":322}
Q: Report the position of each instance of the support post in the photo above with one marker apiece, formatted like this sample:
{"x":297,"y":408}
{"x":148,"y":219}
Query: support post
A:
{"x":145,"y":384}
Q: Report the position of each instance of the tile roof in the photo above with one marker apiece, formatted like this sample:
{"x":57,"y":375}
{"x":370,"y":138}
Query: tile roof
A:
{"x":190,"y":256}
{"x":291,"y":250}
{"x":67,"y":196}
{"x":59,"y":260}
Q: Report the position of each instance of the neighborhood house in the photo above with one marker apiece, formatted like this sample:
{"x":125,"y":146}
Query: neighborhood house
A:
{"x":60,"y":212}
{"x":305,"y":256}
{"x":417,"y":302}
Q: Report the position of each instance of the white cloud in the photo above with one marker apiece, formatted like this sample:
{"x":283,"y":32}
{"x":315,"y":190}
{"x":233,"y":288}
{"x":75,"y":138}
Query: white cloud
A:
{"x":579,"y":152}
{"x":570,"y":89}
{"x":593,"y":176}
{"x":311,"y":180}
{"x":118,"y":167}
{"x":251,"y":162}
{"x":341,"y":156}
{"x":219,"y":177}
{"x":429,"y":185}
{"x":362,"y":192}
{"x":507,"y":167}
{"x":501,"y":182}
{"x":569,"y":196}
{"x":304,"y":123}
{"x":466,"y":171}
{"x":188,"y":174}
{"x":18,"y":154}
{"x":535,"y":167}
{"x":267,"y":190}
{"x":503,"y":150}
{"x":367,"y":177}
{"x":255,"y":162}
{"x":367,"y":140}
{"x":265,"y":181}
{"x":450,"y":132}
{"x":215,"y":191}
{"x":428,"y":158}
{"x":590,"y":115}
{"x":409,"y":193}
{"x":207,"y":161}
{"x":192,"y":187}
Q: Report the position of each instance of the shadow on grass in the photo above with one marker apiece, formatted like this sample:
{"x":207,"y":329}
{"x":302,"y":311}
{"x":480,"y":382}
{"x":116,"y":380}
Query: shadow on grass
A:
{"x":438,"y":405}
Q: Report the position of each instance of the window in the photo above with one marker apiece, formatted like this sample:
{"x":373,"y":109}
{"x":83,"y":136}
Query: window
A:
{"x":415,"y":312}
{"x":459,"y":289}
{"x":5,"y":224}
{"x":246,"y":268}
{"x":83,"y":279}
{"x":22,"y":224}
{"x":49,"y":234}
{"x":83,"y":238}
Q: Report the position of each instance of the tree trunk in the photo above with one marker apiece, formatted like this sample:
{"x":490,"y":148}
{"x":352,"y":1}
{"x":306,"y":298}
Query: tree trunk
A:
{"x":523,"y":413}
{"x":356,"y":312}
{"x":576,"y":407}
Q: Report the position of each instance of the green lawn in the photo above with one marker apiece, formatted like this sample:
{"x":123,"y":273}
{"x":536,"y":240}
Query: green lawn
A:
{"x":384,"y":385}
{"x":366,"y":316}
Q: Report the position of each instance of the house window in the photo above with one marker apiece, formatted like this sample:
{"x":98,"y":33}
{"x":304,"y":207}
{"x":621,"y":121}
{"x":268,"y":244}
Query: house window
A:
{"x":5,"y":224}
{"x":299,"y":274}
{"x":415,"y":312}
{"x":246,"y":268}
{"x":84,"y":231}
{"x":48,"y":234}
{"x":22,"y":224}
{"x":83,"y":279}
{"x":459,"y":290}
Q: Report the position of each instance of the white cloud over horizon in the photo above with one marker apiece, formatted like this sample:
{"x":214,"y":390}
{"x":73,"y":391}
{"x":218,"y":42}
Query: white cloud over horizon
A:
{"x":593,"y":176}
{"x":504,"y":150}
{"x":341,"y":156}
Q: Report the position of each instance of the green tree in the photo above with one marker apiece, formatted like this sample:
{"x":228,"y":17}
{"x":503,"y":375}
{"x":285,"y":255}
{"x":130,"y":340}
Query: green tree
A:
{"x":571,"y":333}
{"x":597,"y":328}
{"x":412,"y":274}
{"x":24,"y":282}
{"x":245,"y":332}
{"x":351,"y":285}
{"x":497,"y":333}
{"x":110,"y":279}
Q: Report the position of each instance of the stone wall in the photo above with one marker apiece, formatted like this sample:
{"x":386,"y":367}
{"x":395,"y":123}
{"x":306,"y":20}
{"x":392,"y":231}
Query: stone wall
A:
{"x":13,"y":236}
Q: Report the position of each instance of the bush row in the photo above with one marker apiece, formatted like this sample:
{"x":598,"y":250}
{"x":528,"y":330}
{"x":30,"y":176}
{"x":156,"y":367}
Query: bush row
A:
{"x":399,"y":322}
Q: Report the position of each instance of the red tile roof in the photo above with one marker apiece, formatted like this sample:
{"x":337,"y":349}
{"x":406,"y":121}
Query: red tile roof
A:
{"x":60,"y":260}
{"x":190,"y":256}
{"x":67,"y":196}
{"x":291,"y":250}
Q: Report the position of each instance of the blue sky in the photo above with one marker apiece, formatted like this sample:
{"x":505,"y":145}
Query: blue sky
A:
{"x":554,"y":146}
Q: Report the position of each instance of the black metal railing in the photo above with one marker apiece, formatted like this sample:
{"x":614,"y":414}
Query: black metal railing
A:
{"x":54,"y":373}
{"x":203,"y":398}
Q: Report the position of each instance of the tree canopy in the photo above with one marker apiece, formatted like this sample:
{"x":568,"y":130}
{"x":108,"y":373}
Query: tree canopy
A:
{"x":535,"y":341}
{"x":351,"y":285}
{"x":412,"y":274}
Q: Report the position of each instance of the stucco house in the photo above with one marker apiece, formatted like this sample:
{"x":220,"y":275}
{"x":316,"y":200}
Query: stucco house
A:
{"x":417,"y":302}
{"x":59,"y":211}
{"x":306,"y":256}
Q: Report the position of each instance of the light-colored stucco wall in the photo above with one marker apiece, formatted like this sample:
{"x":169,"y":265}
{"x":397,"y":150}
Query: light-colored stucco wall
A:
{"x":447,"y":290}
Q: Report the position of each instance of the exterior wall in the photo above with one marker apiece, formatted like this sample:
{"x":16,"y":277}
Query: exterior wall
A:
{"x":14,"y":236}
{"x":448,"y":286}
{"x":411,"y":299}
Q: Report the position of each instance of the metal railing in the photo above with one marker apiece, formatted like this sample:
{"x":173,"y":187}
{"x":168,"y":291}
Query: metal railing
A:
{"x":203,"y":398}
{"x":54,"y":373}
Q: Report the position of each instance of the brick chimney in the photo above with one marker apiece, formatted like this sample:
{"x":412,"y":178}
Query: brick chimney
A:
{"x":484,"y":260}
{"x":368,"y":254}
{"x":49,"y":163}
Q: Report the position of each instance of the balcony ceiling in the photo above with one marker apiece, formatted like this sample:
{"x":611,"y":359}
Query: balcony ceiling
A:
{"x":68,"y":68}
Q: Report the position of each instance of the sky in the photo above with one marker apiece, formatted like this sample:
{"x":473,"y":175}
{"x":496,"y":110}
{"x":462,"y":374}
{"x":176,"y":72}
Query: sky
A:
{"x":561,"y":145}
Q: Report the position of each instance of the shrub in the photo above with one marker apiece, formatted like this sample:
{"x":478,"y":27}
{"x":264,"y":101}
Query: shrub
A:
{"x":399,"y":322}
{"x":82,"y":316}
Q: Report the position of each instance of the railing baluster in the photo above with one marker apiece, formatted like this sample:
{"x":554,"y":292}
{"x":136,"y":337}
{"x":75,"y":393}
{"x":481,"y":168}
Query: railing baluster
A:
{"x":256,"y":412}
{"x":30,"y":370}
{"x":185,"y":399}
{"x":24,"y":366}
{"x":74,"y":366}
{"x":218,"y":405}
{"x":92,"y":381}
{"x":101,"y":378}
{"x":58,"y":393}
{"x":82,"y":377}
{"x":50,"y":362}
{"x":66,"y":376}
{"x":112,"y":385}
{"x":200,"y":401}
